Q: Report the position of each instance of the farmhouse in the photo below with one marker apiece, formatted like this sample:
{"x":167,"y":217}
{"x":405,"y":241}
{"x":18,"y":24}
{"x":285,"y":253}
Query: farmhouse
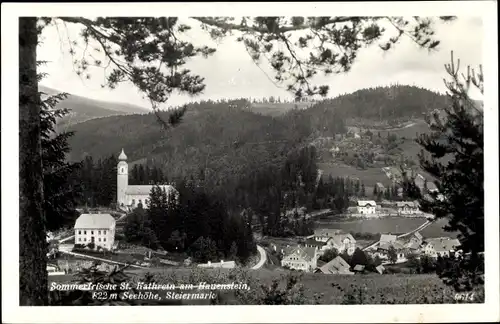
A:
{"x":324,"y":234}
{"x":132,"y":196}
{"x":300,"y":258}
{"x":366,"y":206}
{"x":332,"y":239}
{"x":408,"y":207}
{"x":415,"y":242}
{"x":335,"y":266}
{"x":441,"y":246}
{"x":388,"y":241}
{"x":342,"y":242}
{"x":95,"y":228}
{"x":310,"y":243}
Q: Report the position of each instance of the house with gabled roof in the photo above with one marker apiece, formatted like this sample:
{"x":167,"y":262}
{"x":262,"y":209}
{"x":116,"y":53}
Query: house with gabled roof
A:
{"x":336,"y":266}
{"x":366,"y":206}
{"x":388,"y":241}
{"x":300,"y":258}
{"x":342,"y":242}
{"x":98,"y":229}
{"x":324,"y":234}
{"x":440,"y":246}
{"x":408,"y":207}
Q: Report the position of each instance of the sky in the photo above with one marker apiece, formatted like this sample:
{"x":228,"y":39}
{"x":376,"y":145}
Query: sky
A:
{"x":230,"y":72}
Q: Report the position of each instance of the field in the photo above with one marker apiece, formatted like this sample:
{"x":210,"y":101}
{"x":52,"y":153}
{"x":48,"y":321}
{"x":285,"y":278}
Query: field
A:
{"x":318,"y":288}
{"x":436,"y":229}
{"x":369,"y":176}
{"x":418,"y":127}
{"x":386,"y":225}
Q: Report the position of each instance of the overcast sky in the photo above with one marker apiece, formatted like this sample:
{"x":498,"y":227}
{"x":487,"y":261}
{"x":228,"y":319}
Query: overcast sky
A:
{"x":230,"y":73}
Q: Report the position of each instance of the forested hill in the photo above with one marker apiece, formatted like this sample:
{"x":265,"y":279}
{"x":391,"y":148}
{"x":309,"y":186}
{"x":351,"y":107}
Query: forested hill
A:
{"x":223,"y":136}
{"x":226,"y":136}
{"x":83,"y":109}
{"x":375,"y":106}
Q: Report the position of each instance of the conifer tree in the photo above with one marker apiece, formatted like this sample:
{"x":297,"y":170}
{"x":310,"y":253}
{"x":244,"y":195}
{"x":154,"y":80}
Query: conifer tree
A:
{"x":453,"y":154}
{"x":60,"y":192}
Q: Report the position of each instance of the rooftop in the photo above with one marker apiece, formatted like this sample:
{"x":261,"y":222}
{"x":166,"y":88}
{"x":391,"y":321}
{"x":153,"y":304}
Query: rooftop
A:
{"x":122,"y":156}
{"x":388,"y":238}
{"x":94,"y":221}
{"x":443,"y":243}
{"x":306,"y":253}
{"x":336,"y":265}
{"x":367,"y":203}
{"x":411,"y":204}
{"x":330,"y":232}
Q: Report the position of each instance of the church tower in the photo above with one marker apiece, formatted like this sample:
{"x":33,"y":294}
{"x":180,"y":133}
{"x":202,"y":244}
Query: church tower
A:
{"x":122,"y":180}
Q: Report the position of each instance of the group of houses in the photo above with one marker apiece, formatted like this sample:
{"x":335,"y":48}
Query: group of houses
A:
{"x":305,"y":255}
{"x":403,"y":208}
{"x":414,"y":244}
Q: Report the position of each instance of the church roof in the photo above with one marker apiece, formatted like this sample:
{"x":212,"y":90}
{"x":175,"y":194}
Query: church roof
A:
{"x":94,"y":221}
{"x":146,"y":189}
{"x":122,"y":156}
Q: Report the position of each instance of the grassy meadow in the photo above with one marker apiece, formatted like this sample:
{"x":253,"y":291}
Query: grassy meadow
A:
{"x":311,"y":288}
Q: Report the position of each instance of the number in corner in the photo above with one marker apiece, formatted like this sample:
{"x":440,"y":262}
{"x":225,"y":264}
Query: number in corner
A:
{"x":466,"y":297}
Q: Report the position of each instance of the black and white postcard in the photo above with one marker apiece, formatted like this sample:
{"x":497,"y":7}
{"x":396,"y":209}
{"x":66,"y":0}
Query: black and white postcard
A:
{"x":319,"y":156}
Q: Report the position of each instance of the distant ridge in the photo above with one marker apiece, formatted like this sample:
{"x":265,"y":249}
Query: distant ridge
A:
{"x":83,"y":109}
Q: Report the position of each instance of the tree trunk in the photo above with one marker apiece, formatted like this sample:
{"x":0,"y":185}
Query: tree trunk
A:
{"x":33,"y":287}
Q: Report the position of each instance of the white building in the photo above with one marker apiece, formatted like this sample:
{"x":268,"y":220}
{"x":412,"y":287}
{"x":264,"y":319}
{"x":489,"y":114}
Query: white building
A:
{"x":408,"y":207}
{"x":132,"y":196}
{"x":300,"y":258}
{"x":367,"y":206}
{"x":95,"y":228}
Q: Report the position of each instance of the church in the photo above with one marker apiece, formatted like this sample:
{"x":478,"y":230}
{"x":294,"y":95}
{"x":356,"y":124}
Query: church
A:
{"x":132,"y":196}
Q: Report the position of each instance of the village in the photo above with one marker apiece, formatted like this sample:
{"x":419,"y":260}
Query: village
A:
{"x":98,"y":237}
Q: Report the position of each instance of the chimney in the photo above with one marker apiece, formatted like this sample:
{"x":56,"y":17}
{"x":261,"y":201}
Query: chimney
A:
{"x":209,"y":263}
{"x":221,"y":261}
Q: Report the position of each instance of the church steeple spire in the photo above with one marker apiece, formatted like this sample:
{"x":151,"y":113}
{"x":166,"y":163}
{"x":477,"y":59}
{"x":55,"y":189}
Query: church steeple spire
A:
{"x":122,"y":156}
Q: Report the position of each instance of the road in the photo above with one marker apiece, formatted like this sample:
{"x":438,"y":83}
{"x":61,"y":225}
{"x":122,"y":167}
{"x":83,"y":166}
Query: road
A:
{"x":66,"y":239}
{"x":263,"y":258}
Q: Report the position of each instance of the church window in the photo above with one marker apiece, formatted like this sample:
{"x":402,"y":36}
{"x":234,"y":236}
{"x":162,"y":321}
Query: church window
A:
{"x":99,"y":239}
{"x":79,"y":232}
{"x":85,"y":232}
{"x":133,"y":202}
{"x":104,"y":239}
{"x":104,"y":232}
{"x":98,"y":232}
{"x":92,"y":232}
